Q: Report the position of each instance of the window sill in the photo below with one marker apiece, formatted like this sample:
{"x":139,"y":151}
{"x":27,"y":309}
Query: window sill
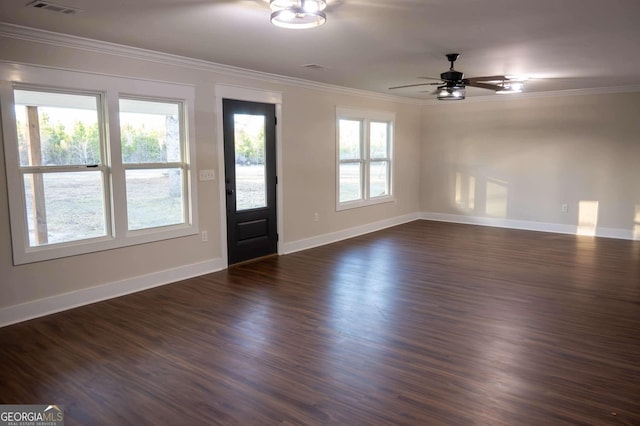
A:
{"x":348,"y":205}
{"x":75,"y":248}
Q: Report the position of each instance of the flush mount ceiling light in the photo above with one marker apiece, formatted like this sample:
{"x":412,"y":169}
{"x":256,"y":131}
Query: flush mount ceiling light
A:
{"x":298,"y":14}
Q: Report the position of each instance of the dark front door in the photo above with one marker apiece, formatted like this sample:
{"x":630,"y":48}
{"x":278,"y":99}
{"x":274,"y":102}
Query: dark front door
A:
{"x":250,"y":176}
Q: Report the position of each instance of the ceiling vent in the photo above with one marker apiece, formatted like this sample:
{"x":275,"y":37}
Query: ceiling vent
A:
{"x":45,"y":5}
{"x":313,"y":66}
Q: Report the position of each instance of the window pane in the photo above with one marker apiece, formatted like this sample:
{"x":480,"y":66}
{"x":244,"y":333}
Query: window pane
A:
{"x":63,"y":207}
{"x":154,"y":198}
{"x":56,"y":129}
{"x":251,"y":180}
{"x":379,"y":134}
{"x":150,"y":131}
{"x":350,"y":137}
{"x":378,"y":179}
{"x":350,"y":182}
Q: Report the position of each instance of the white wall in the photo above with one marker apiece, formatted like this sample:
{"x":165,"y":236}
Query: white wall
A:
{"x":310,"y":154}
{"x":308,"y":180}
{"x":529,"y":156}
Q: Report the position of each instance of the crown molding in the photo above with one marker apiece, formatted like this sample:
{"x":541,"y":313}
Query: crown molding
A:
{"x":70,"y":41}
{"x":538,"y":95}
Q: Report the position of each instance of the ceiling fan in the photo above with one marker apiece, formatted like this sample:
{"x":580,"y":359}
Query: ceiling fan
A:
{"x":452,"y":83}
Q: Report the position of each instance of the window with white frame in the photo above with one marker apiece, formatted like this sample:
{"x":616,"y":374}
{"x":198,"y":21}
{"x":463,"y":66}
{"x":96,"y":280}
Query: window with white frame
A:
{"x":364,"y":146}
{"x":152,"y":156}
{"x":91,"y":169}
{"x":62,"y":173}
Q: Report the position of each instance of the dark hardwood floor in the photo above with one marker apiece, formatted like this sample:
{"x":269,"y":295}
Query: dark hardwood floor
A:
{"x":422,"y":324}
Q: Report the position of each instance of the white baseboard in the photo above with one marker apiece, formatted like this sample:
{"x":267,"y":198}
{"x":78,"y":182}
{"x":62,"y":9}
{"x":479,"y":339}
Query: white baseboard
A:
{"x":558,"y":228}
{"x":622,"y":234}
{"x":333,"y":237}
{"x":50,"y":305}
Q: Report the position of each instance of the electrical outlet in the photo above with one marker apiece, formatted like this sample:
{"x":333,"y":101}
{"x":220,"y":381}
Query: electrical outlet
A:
{"x":207,"y":174}
{"x":316,"y":217}
{"x":565,"y":208}
{"x":205,"y":236}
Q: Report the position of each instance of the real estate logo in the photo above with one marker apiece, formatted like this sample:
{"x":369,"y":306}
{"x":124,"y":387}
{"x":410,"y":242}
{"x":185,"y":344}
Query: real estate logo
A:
{"x":31,"y":415}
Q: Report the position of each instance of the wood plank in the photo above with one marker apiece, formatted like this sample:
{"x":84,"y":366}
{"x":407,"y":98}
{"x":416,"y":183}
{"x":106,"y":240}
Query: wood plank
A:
{"x":424,"y":323}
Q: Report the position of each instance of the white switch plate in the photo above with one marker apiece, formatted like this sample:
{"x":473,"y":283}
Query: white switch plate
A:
{"x":207,"y":174}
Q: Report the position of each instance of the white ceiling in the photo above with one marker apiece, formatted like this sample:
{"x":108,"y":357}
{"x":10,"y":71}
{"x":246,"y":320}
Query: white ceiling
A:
{"x":372,"y":44}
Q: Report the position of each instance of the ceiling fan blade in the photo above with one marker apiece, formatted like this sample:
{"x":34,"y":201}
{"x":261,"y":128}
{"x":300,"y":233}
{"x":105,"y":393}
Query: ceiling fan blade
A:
{"x":413,"y":85}
{"x":430,"y":78}
{"x":485,"y":85}
{"x":488,"y":78}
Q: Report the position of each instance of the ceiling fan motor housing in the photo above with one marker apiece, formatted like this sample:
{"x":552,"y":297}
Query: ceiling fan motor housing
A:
{"x":452,"y":75}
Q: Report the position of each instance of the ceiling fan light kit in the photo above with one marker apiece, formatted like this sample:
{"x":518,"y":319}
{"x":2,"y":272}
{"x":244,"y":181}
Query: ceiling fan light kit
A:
{"x":451,"y":92}
{"x":455,"y":83}
{"x":298,"y":14}
{"x":510,"y":87}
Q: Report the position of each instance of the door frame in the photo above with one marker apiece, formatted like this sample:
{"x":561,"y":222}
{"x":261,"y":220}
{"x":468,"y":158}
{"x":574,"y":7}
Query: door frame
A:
{"x":225,"y":91}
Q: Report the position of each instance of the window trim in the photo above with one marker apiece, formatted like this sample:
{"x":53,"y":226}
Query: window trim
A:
{"x":69,"y":168}
{"x":183,"y":164}
{"x":111,"y":89}
{"x":366,"y":117}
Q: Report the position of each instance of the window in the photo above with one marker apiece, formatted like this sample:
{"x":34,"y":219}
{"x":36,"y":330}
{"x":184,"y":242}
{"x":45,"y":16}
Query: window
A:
{"x":364,"y":158}
{"x":61,"y":167}
{"x":80,"y":182}
{"x":152,"y":156}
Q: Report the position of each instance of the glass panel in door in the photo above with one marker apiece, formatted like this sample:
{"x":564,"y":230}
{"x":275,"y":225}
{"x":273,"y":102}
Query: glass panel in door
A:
{"x":251,"y":184}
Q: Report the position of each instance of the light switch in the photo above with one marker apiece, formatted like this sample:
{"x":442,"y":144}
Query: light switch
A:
{"x":207,"y":174}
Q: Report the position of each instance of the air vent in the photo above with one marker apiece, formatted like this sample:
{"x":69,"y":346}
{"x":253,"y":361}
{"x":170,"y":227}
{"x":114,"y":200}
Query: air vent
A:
{"x":52,"y":7}
{"x":313,"y":66}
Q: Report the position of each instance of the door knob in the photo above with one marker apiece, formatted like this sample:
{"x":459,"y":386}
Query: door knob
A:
{"x":229,"y":191}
